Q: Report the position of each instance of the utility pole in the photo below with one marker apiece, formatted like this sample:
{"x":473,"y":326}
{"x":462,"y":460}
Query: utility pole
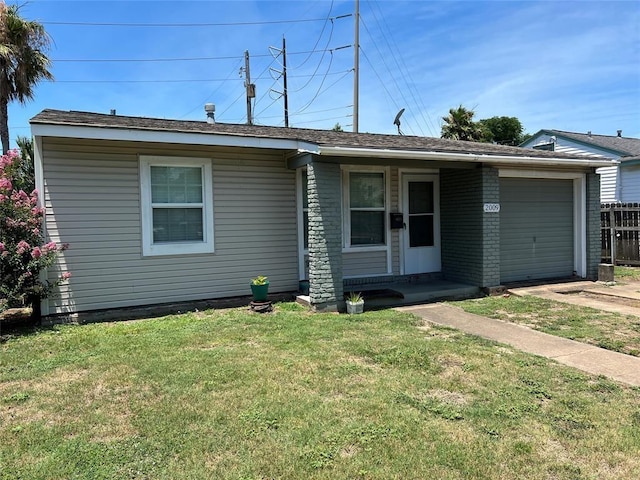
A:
{"x":356,"y":68}
{"x":251,"y":88}
{"x":284,"y":76}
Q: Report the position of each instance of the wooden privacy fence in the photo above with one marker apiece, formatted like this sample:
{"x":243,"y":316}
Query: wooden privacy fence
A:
{"x":620,"y":228}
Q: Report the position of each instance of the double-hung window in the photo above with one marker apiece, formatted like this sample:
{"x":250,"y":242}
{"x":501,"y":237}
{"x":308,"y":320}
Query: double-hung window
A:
{"x":177,"y":210}
{"x":367,"y":207}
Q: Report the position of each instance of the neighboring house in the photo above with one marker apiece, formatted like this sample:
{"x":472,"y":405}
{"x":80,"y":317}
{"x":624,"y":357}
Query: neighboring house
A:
{"x":162,"y":211}
{"x":618,"y":183}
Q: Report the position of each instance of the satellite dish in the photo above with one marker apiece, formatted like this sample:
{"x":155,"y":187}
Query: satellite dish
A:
{"x":396,"y":121}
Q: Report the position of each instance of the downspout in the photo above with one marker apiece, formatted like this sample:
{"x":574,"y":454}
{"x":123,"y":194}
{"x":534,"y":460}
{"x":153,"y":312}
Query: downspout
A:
{"x":39,"y":180}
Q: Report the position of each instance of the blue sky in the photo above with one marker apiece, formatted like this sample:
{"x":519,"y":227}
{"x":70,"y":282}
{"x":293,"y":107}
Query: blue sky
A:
{"x":567,"y":65}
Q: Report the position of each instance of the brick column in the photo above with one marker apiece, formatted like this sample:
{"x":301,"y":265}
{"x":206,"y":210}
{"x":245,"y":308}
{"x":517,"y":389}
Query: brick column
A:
{"x":594,"y":241}
{"x":325,"y":236}
{"x":490,"y":229}
{"x":470,"y":237}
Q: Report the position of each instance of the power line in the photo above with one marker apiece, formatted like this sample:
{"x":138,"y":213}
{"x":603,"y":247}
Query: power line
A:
{"x":181,"y":25}
{"x":384,"y":61}
{"x":397,"y":54}
{"x":186,"y":80}
{"x":182,"y":59}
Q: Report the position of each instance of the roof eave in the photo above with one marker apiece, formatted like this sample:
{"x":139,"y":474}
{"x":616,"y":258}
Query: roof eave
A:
{"x":463,"y":157}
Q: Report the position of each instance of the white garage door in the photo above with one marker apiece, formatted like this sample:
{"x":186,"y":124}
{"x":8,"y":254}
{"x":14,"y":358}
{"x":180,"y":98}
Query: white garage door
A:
{"x":536,"y":229}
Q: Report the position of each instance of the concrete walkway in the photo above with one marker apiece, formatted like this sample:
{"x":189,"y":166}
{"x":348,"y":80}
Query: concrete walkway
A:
{"x":587,"y":358}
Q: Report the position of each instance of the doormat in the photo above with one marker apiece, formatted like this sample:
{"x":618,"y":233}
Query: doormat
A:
{"x":381,"y":293}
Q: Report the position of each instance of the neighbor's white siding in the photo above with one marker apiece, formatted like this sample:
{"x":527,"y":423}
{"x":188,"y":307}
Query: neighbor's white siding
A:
{"x":630,"y":184}
{"x":609,"y":176}
{"x":609,"y":184}
{"x":93,"y":203}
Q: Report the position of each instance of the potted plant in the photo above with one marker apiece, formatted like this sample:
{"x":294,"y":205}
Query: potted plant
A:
{"x":355,"y":303}
{"x":260,"y":288}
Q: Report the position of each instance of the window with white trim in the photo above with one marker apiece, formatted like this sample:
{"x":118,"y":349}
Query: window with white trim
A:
{"x":367,"y":208}
{"x":177,"y":210}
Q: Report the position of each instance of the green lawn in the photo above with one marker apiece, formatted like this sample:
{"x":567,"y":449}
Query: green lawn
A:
{"x":612,"y":331}
{"x":294,"y":395}
{"x":625,"y":274}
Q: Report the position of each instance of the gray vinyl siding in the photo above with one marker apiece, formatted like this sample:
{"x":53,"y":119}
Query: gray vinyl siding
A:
{"x":358,"y":264}
{"x":92,"y":196}
{"x":536,"y":229}
{"x":395,"y":207}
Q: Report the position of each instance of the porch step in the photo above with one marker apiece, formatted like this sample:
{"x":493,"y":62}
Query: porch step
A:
{"x":415,"y":293}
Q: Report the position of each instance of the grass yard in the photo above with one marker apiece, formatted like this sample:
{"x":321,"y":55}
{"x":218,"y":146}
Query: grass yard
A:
{"x":294,"y":395}
{"x":626,"y":274}
{"x":612,"y":331}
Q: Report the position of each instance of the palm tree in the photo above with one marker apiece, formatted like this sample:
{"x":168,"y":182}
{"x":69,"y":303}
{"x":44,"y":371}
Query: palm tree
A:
{"x":23,"y":62}
{"x":459,"y":125}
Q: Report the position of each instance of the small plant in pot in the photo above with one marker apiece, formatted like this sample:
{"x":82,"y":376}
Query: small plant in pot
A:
{"x":355,"y":303}
{"x":259,"y":288}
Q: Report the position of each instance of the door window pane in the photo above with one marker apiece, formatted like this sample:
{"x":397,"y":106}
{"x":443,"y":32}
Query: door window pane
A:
{"x":420,"y":197}
{"x":421,"y":231}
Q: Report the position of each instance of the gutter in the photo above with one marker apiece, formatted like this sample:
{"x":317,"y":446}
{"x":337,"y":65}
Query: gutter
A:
{"x":460,"y":157}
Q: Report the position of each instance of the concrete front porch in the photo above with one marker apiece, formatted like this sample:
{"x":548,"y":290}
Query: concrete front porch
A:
{"x":393,"y":294}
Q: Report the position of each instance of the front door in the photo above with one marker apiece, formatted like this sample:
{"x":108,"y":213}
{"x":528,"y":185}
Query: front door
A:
{"x":421,"y":234}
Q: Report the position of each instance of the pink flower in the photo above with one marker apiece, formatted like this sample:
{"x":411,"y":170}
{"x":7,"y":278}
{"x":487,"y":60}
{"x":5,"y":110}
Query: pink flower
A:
{"x":2,"y":247}
{"x":36,"y":231}
{"x":36,"y":252}
{"x":35,"y":193}
{"x":50,"y":246}
{"x":5,"y":184}
{"x":3,"y":197}
{"x":23,"y":247}
{"x":66,"y":275}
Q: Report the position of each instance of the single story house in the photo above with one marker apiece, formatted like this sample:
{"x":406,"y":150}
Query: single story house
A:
{"x":619,"y":182}
{"x":159,"y":210}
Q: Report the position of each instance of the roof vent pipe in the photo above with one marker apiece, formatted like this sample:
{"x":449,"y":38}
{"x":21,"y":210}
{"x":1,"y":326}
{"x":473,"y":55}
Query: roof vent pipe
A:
{"x":113,"y":111}
{"x":210,"y":108}
{"x":619,"y":133}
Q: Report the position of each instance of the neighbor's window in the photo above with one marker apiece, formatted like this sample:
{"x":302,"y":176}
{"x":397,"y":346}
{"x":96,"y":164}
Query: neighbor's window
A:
{"x":367,"y":208}
{"x":176,"y":205}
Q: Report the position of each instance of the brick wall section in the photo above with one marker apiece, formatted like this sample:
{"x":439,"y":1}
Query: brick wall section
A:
{"x":325,"y":236}
{"x":470,"y":237}
{"x":594,"y":245}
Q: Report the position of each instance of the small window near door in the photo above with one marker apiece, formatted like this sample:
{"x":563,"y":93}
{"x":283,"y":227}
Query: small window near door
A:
{"x":367,"y":208}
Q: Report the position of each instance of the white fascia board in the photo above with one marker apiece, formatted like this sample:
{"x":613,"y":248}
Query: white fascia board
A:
{"x":158,"y":136}
{"x":463,"y":157}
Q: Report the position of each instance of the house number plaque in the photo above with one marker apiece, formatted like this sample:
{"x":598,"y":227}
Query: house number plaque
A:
{"x":491,"y":207}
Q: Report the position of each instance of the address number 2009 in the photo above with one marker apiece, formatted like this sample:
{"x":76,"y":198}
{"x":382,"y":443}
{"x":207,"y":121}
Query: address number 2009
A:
{"x":491,"y":207}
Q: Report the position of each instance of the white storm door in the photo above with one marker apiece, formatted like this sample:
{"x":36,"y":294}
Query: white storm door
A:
{"x":421,"y":233}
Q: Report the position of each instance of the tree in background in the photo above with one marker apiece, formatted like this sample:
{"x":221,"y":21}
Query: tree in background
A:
{"x":23,"y":62}
{"x":502,"y":130}
{"x":25,"y":173}
{"x":459,"y":125}
{"x":337,"y":128}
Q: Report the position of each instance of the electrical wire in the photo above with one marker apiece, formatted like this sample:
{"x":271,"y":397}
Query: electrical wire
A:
{"x":321,"y":92}
{"x":398,"y":55}
{"x":382,"y":82}
{"x":181,"y":59}
{"x":182,"y":25}
{"x":317,"y":94}
{"x":384,"y":61}
{"x":324,"y":26}
{"x":233,"y":71}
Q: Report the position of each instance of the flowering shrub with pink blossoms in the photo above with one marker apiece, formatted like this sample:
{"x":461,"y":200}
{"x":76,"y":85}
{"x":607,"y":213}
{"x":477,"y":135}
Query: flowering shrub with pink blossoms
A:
{"x":23,"y":251}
